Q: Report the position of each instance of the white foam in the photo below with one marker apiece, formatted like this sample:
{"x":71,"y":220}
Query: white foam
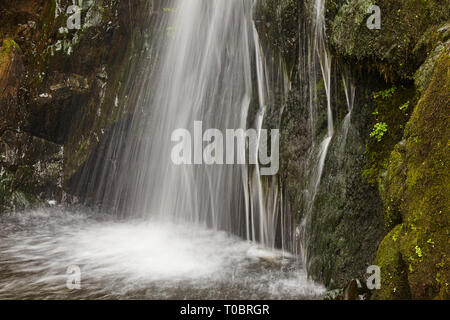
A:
{"x":121,"y":258}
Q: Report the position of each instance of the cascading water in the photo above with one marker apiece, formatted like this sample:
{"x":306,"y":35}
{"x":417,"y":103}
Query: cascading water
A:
{"x":318,"y":55}
{"x":350,"y":91}
{"x":201,"y":66}
{"x":204,"y":75}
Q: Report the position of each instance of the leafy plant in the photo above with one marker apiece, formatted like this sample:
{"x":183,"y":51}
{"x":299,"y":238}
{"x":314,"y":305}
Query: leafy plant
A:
{"x":404,"y":106}
{"x":385,"y":93}
{"x":379,"y":130}
{"x":419,"y":252}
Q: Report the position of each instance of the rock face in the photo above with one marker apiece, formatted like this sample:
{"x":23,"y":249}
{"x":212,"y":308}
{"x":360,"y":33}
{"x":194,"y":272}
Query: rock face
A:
{"x":411,"y":167}
{"x":399,"y":47}
{"x":346,"y":221}
{"x":59,"y":89}
{"x":414,"y":255}
{"x":383,"y":167}
{"x":408,"y":162}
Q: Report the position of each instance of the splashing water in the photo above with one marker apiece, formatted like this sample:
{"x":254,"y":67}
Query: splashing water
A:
{"x":176,"y":241}
{"x":209,"y":68}
{"x":139,"y":259}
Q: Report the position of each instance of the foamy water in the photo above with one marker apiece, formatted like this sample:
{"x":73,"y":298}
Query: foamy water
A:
{"x":145,"y":260}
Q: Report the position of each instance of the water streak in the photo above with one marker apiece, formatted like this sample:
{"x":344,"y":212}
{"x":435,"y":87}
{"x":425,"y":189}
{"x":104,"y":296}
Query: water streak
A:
{"x":318,"y":55}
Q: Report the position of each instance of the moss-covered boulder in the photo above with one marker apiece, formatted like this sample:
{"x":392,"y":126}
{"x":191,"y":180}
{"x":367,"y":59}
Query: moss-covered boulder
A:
{"x":389,"y":50}
{"x":418,"y":184}
{"x":394,"y":269}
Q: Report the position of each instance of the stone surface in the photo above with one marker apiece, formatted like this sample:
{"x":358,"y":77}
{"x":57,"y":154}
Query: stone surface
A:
{"x":61,"y":87}
{"x":416,"y":252}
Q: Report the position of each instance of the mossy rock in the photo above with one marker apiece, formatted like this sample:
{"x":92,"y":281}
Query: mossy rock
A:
{"x":418,"y":182}
{"x":390,"y":49}
{"x":393,"y":107}
{"x":394,"y":280}
{"x":437,"y":38}
{"x":277,"y":24}
{"x":7,"y":53}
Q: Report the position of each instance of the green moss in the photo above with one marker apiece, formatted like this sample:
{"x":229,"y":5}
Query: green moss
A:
{"x":418,"y":191}
{"x":6,"y":48}
{"x":387,"y":50}
{"x":392,"y":111}
{"x":393,"y":198}
{"x":8,"y":44}
{"x":394,"y":280}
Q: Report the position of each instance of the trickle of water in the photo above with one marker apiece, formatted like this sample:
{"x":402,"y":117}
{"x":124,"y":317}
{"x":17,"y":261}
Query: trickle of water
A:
{"x":318,"y":55}
{"x":350,"y":91}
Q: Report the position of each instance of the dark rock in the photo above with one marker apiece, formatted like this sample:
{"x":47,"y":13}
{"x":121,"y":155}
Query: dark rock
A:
{"x":351,"y":292}
{"x":62,"y":88}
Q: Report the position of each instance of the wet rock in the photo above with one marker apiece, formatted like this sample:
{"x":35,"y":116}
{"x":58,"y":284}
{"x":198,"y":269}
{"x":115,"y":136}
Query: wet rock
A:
{"x":61,"y":88}
{"x":351,"y":292}
{"x":30,"y":170}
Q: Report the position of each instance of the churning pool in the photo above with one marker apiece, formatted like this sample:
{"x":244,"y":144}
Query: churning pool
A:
{"x":138,"y":260}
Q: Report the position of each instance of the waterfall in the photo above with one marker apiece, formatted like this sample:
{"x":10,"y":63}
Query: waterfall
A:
{"x":319,"y":61}
{"x":350,"y":91}
{"x":203,"y":70}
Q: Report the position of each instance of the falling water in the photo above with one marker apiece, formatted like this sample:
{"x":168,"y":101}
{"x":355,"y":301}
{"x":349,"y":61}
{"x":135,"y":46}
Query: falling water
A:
{"x":318,"y":55}
{"x":205,"y":72}
{"x":205,"y":63}
{"x":350,"y":91}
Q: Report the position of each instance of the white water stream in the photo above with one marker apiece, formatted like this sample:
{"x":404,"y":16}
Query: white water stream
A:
{"x":179,"y":238}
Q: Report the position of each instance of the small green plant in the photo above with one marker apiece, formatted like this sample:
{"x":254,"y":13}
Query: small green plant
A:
{"x":419,"y":252}
{"x":385,"y":93}
{"x":379,"y":130}
{"x":405,"y":106}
